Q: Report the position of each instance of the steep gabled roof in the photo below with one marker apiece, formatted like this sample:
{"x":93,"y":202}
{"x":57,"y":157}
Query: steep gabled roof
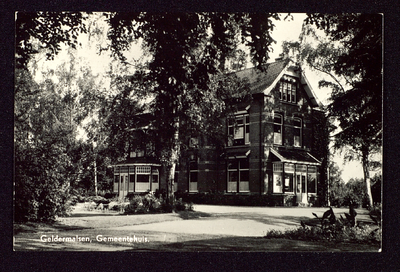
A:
{"x":265,"y":81}
{"x":261,"y":80}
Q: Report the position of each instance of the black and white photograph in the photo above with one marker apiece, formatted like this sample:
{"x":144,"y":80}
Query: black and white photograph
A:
{"x":198,"y":132}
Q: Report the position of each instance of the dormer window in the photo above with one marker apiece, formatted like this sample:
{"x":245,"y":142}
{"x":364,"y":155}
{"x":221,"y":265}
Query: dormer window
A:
{"x":287,"y":89}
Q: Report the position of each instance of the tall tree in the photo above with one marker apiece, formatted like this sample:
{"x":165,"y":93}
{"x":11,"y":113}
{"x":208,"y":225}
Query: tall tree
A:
{"x":188,"y":51}
{"x":352,"y":57}
{"x":43,"y":169}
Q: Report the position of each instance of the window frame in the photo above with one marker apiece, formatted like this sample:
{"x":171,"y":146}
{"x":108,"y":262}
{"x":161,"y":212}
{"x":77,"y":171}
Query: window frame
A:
{"x":236,"y":170}
{"x":288,"y":89}
{"x":276,"y":124}
{"x":239,"y":130}
{"x":297,"y":130}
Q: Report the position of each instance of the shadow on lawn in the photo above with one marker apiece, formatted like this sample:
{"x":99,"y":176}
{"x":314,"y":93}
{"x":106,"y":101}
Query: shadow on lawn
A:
{"x":258,"y":244}
{"x":31,"y":227}
{"x":193,"y":215}
{"x":289,"y":221}
{"x":91,"y":214}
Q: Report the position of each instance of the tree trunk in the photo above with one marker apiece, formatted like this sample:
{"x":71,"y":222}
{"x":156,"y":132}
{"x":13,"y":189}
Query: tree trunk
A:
{"x":172,"y":161}
{"x":367,"y":179}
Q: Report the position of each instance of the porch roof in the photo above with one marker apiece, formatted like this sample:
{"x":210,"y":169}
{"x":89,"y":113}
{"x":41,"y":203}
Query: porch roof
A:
{"x":139,"y":161}
{"x":295,"y":156}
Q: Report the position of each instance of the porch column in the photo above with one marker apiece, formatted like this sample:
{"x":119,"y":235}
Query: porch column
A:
{"x":119,"y":182}
{"x":135,"y":177}
{"x":238,"y":176}
{"x":151,"y":178}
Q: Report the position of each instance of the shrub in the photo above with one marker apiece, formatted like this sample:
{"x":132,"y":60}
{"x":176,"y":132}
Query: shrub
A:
{"x":334,"y":229}
{"x":110,"y":195}
{"x":144,"y":204}
{"x":375,"y":214}
{"x":179,"y":205}
{"x":97,"y":199}
{"x":149,"y":203}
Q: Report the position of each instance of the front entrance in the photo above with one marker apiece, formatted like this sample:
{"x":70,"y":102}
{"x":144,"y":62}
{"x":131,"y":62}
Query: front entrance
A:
{"x":124,"y":185}
{"x":301,"y":188}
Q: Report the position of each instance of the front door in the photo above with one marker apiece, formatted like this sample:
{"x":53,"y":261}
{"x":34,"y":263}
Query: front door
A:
{"x":301,"y":188}
{"x":124,"y":185}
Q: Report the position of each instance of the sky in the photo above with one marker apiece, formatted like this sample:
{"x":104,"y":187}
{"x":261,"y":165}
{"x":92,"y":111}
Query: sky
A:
{"x":285,"y":30}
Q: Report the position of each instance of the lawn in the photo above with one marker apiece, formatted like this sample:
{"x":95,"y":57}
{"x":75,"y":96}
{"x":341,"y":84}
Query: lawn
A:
{"x":109,"y":231}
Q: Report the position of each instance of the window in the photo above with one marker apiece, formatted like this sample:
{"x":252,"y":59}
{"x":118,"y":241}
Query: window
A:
{"x":288,"y":182}
{"x":287,"y":89}
{"x":278,"y":129}
{"x":277,"y":176}
{"x":312,"y":179}
{"x":193,"y":173}
{"x":289,"y":177}
{"x":142,"y":178}
{"x":155,"y":174}
{"x":240,"y":132}
{"x":116,"y":183}
{"x":238,"y":174}
{"x":297,"y":132}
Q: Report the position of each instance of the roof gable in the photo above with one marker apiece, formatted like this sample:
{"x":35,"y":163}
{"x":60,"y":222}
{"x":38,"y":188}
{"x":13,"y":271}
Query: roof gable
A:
{"x":260,"y":80}
{"x":265,"y":81}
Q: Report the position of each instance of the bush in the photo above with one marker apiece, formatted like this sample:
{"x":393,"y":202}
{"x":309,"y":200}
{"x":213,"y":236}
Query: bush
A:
{"x":332,"y":229}
{"x":97,"y":199}
{"x":110,"y":195}
{"x":144,"y":204}
{"x":150,"y":203}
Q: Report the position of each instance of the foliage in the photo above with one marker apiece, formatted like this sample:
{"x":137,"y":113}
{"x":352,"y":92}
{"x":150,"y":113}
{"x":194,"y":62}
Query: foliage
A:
{"x":352,"y":192}
{"x":332,"y":229}
{"x":38,"y":31}
{"x":350,"y":54}
{"x":364,"y":234}
{"x":353,"y":52}
{"x":43,"y":170}
{"x":150,"y":203}
{"x":375,"y":213}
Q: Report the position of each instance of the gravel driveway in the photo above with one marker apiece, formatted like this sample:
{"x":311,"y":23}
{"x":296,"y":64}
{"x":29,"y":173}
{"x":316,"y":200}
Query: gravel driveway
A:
{"x":237,"y":221}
